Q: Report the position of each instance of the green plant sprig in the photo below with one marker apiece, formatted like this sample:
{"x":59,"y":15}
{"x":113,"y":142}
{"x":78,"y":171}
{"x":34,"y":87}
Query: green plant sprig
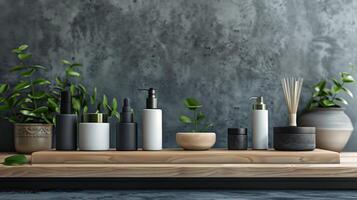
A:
{"x":34,"y":99}
{"x":197,"y":117}
{"x":26,"y":101}
{"x":327,"y":97}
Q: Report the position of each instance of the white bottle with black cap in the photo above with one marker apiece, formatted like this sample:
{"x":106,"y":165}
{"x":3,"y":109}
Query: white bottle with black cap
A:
{"x":260,"y":128}
{"x":152,"y":123}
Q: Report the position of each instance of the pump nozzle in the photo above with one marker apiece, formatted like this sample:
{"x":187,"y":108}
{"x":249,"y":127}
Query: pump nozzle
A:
{"x":151,"y":100}
{"x":259,"y":103}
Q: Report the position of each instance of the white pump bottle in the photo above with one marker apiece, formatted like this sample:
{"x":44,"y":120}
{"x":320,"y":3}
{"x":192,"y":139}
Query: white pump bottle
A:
{"x":260,"y":125}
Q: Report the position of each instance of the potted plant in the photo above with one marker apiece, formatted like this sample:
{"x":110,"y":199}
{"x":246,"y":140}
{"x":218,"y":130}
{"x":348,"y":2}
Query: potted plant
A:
{"x":325,"y":111}
{"x":32,"y":103}
{"x":29,"y":105}
{"x":198,"y":138}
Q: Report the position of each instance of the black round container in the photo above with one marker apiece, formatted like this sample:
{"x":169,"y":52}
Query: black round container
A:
{"x":237,"y":139}
{"x":293,"y":138}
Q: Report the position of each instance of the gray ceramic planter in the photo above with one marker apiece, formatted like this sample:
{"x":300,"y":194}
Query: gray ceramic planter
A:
{"x":333,"y":127}
{"x":33,"y":137}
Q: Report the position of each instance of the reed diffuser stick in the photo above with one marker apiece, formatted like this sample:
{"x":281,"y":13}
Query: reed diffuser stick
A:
{"x":292,"y":90}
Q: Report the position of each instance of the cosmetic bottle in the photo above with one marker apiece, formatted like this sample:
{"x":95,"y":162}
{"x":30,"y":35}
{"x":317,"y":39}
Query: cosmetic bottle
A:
{"x":152,"y":123}
{"x":66,"y":125}
{"x":237,"y":139}
{"x":94,"y":132}
{"x":126,"y":129}
{"x":259,"y":118}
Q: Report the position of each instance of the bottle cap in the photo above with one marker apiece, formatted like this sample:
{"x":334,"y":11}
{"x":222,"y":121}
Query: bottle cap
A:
{"x":151,"y":100}
{"x":237,"y":131}
{"x":66,"y":107}
{"x":127,"y":114}
{"x":259,"y":103}
{"x":95,"y":118}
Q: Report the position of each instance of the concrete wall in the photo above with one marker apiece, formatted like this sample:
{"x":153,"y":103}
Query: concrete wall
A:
{"x":219,"y":51}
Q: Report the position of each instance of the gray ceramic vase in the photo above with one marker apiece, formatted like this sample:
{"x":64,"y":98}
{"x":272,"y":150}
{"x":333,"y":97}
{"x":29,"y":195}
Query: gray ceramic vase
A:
{"x":33,"y":137}
{"x":333,"y":127}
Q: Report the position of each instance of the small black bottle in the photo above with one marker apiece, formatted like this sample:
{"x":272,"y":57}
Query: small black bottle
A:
{"x":126,"y":131}
{"x":66,"y":125}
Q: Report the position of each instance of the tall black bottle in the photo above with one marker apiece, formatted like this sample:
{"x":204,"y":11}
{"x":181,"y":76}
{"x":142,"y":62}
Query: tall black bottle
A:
{"x":66,"y":125}
{"x":126,"y":131}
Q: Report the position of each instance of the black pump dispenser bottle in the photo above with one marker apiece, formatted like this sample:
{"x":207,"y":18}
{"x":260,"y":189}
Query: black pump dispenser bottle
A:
{"x":66,"y":125}
{"x":126,"y":135}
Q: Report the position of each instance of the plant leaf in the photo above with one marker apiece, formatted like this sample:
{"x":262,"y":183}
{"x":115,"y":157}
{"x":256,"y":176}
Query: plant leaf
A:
{"x":115,"y":104}
{"x":76,"y":104}
{"x":71,"y":72}
{"x":327,"y":103}
{"x":335,"y":89}
{"x":28,"y":113}
{"x":27,"y":73}
{"x":4,"y":107}
{"x":347,"y":78}
{"x":320,"y":86}
{"x":93,"y":98}
{"x":37,"y":95}
{"x":52,"y":104}
{"x":72,"y":89}
{"x":341,"y":100}
{"x":348,"y":92}
{"x":3,"y":88}
{"x":24,"y":56}
{"x":200,"y":116}
{"x":82,"y":88}
{"x":18,"y":159}
{"x":41,"y":81}
{"x":66,"y":62}
{"x":76,"y":65}
{"x":23,"y":47}
{"x":192,"y":103}
{"x":42,"y":109}
{"x":38,"y":67}
{"x":105,"y":101}
{"x":17,"y":68}
{"x":185,"y":119}
{"x":22,"y":85}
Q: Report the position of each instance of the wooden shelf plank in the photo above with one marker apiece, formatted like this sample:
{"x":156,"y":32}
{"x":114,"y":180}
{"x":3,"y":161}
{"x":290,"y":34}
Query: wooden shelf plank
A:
{"x":181,"y":170}
{"x":175,"y":156}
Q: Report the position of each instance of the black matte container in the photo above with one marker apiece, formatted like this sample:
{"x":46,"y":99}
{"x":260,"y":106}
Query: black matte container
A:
{"x":66,"y":125}
{"x":127,"y":137}
{"x":66,"y":132}
{"x":237,"y":139}
{"x":126,"y":129}
{"x":292,"y":138}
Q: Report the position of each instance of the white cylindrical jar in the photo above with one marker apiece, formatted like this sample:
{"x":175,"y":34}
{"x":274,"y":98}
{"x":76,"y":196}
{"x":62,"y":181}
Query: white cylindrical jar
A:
{"x":94,"y":132}
{"x":152,"y":129}
{"x":260,"y":125}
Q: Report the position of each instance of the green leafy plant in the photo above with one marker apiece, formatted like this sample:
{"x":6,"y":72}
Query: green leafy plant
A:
{"x":327,"y":92}
{"x":197,"y":119}
{"x":34,"y":99}
{"x":28,"y":99}
{"x":82,"y":100}
{"x":18,"y":159}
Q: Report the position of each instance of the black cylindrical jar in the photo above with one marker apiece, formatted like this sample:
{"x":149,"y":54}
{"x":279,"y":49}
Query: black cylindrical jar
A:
{"x":237,"y":139}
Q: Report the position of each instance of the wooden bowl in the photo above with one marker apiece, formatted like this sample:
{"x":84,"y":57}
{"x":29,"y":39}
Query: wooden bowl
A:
{"x":196,"y":141}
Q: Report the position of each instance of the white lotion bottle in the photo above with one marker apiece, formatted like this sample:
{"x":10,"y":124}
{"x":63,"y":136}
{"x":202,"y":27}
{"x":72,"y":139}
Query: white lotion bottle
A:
{"x":152,"y":123}
{"x":260,"y":125}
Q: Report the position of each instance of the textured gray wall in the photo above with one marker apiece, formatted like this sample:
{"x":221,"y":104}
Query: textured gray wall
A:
{"x":219,"y":51}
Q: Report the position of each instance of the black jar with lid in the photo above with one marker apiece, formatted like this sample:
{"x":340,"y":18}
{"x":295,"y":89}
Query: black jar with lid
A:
{"x":237,"y":139}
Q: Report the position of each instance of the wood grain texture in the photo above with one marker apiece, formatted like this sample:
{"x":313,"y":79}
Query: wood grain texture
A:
{"x":181,"y":170}
{"x":174,"y":156}
{"x":346,"y":169}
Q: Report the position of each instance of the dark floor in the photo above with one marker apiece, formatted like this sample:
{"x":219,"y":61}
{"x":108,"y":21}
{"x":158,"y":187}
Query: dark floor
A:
{"x":180,"y":194}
